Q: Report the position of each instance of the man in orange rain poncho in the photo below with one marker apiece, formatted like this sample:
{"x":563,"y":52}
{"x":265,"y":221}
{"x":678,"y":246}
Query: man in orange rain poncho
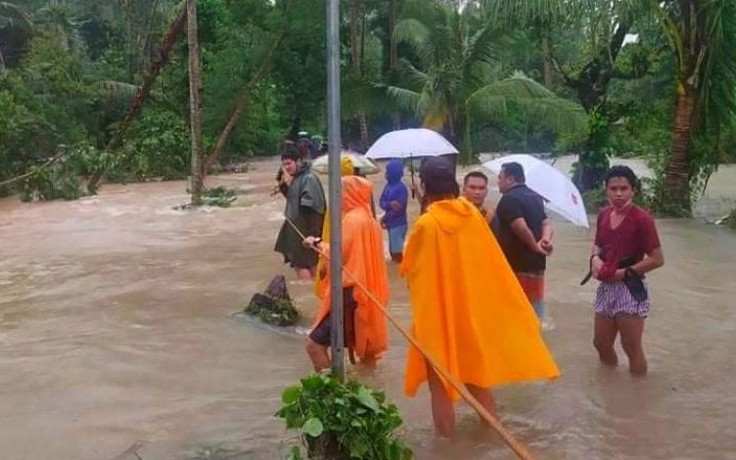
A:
{"x":469,"y":311}
{"x":320,"y":283}
{"x":362,"y":251}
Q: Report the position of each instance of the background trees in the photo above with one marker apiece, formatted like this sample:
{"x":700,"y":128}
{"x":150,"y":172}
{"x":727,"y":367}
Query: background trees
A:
{"x":492,"y":75}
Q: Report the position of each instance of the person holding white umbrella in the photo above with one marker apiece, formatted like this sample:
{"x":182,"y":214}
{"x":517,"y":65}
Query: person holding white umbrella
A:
{"x":524,"y":233}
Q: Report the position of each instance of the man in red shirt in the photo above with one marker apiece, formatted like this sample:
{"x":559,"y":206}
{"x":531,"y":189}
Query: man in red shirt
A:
{"x":626,"y":247}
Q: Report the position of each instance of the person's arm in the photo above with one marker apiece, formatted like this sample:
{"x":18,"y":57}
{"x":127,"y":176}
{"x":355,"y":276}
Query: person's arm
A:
{"x":547,"y":233}
{"x":522,"y":232}
{"x":384,"y":202}
{"x":654,"y":257}
{"x":596,"y":262}
{"x":651,"y":262}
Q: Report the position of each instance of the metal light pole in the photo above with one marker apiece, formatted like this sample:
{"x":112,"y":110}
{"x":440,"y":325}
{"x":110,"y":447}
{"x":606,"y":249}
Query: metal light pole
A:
{"x":335,"y":192}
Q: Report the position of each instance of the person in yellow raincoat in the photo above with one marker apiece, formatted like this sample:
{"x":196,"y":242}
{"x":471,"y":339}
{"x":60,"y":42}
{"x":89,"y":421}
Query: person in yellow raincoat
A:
{"x":469,"y":311}
{"x":362,"y":249}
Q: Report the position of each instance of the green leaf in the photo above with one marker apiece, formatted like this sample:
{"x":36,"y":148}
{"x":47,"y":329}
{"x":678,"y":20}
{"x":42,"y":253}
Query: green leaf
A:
{"x":312,"y":382}
{"x":295,"y":454}
{"x":366,"y":398}
{"x":313,"y":427}
{"x":290,"y":395}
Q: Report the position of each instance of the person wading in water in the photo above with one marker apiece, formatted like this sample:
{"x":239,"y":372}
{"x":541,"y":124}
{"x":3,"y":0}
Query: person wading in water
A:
{"x":305,"y":207}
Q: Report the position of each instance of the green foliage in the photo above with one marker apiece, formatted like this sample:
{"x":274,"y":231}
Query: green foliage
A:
{"x":158,"y":145}
{"x":61,"y":179}
{"x":342,"y":421}
{"x":219,"y":196}
{"x":645,"y":197}
{"x":275,"y":311}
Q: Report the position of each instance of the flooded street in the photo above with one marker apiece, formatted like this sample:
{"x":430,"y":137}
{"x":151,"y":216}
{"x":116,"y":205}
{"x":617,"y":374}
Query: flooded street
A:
{"x":117,"y":327}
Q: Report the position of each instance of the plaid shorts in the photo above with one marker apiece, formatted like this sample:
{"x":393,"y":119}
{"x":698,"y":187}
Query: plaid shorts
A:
{"x":614,"y":299}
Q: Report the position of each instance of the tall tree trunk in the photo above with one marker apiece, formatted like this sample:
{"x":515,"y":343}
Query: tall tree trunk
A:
{"x":242,"y":100}
{"x":355,"y":50}
{"x":675,"y":197}
{"x":172,"y":34}
{"x":2,"y":62}
{"x":195,"y":103}
{"x":547,"y":56}
{"x":393,"y":49}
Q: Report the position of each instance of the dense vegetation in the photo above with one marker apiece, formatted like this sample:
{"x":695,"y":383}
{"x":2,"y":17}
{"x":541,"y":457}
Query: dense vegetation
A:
{"x":595,"y":77}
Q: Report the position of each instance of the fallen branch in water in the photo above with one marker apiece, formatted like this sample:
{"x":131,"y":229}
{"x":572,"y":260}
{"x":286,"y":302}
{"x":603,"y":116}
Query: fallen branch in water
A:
{"x":34,"y":170}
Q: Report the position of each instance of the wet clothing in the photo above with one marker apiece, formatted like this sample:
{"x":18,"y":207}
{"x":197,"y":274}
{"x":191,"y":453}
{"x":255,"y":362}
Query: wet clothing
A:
{"x":320,"y":282}
{"x":396,"y":239}
{"x":614,"y":299}
{"x":468,"y":309}
{"x":533,"y":286}
{"x":635,"y":237}
{"x":322,"y":333}
{"x":520,"y":202}
{"x":395,"y":190}
{"x":362,"y":252}
{"x":305,"y":207}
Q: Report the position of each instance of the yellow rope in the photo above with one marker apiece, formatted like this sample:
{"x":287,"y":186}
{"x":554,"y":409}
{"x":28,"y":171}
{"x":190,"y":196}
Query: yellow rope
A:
{"x":521,"y":451}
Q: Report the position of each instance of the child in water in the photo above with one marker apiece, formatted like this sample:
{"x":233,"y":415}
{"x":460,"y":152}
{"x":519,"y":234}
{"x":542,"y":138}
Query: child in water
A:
{"x":393,"y":201}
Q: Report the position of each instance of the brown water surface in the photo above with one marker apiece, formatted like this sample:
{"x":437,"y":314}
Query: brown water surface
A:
{"x":117,"y":327}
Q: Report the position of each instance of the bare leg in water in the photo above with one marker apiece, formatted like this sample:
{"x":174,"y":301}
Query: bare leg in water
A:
{"x":605,"y":330}
{"x":319,"y":355}
{"x":305,"y":274}
{"x":443,"y":411}
{"x":631,"y":329}
{"x":485,"y":398}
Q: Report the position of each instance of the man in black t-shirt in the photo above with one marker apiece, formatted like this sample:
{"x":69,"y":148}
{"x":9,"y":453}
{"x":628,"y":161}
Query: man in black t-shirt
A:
{"x":524,"y":233}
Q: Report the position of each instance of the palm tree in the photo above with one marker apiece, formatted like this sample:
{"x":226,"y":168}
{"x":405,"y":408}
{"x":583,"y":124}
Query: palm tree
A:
{"x":701,"y":34}
{"x":602,"y":26}
{"x":455,"y":81}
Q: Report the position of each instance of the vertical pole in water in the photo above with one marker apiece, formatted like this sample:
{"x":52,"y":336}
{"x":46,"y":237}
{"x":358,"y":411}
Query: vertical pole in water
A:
{"x":335,"y":146}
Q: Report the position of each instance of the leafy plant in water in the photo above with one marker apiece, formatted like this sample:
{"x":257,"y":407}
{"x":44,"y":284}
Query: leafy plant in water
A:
{"x":278,"y":312}
{"x":342,"y":421}
{"x":219,"y":196}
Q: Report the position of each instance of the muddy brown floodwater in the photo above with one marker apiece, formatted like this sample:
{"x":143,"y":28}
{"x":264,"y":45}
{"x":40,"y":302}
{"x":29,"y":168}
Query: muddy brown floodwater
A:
{"x":117,"y":328}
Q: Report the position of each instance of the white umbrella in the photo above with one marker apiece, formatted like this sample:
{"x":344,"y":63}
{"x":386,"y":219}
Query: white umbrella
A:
{"x":561,"y":195}
{"x":408,"y":143}
{"x":360,"y":162}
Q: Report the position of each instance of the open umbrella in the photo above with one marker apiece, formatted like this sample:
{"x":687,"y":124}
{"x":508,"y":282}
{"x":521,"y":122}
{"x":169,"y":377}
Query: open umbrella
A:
{"x":410,"y":143}
{"x":361,"y":163}
{"x":560,"y":194}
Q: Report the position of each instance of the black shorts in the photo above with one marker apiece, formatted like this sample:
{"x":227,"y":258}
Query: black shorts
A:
{"x":322,"y":334}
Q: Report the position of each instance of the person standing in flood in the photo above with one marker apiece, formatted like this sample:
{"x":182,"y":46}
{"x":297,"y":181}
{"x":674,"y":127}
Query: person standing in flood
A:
{"x":626,"y":247}
{"x":394,"y":200}
{"x":305,"y":208}
{"x":469,"y":312}
{"x":524,"y":233}
{"x":366,"y":331}
{"x":475,"y":190}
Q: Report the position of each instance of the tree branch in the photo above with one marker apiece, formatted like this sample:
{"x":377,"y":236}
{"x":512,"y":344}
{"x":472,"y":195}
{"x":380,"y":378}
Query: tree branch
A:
{"x":242,"y":99}
{"x":34,"y":171}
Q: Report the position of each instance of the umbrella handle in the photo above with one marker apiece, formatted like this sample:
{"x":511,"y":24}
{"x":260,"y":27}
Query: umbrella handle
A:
{"x":411,"y":170}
